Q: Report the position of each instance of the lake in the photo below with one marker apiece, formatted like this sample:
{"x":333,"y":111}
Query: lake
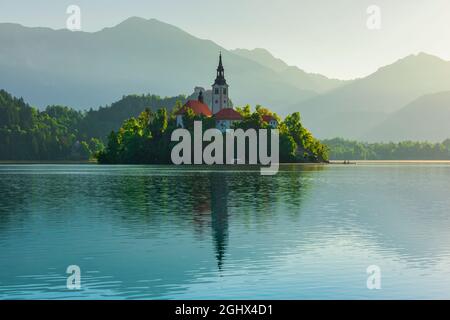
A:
{"x":166,"y":232}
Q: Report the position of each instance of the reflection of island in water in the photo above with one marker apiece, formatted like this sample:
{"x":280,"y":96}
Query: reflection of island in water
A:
{"x":211,"y":208}
{"x":211,"y":195}
{"x":155,"y":229}
{"x":199,"y":199}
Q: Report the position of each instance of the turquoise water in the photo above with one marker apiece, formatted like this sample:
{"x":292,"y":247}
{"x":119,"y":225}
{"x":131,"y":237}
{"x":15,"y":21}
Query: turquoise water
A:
{"x":162,"y":232}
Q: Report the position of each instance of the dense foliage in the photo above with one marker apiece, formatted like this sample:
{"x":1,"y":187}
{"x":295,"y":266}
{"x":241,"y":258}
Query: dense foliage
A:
{"x":29,"y":134}
{"x":62,"y":133}
{"x":99,"y":123}
{"x":297,"y":144}
{"x":341,"y":149}
{"x":147,"y":138}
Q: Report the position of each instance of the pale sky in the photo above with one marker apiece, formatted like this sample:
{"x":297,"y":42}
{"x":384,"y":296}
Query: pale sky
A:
{"x":323,"y":36}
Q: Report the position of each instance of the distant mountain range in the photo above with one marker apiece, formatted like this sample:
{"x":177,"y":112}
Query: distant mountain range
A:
{"x":355,"y":109}
{"x":426,"y":118}
{"x":290,"y":74}
{"x":85,"y":70}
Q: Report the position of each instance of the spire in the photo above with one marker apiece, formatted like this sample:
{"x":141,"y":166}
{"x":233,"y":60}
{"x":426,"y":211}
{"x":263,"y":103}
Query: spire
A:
{"x":220,"y":79}
{"x":220,"y":67}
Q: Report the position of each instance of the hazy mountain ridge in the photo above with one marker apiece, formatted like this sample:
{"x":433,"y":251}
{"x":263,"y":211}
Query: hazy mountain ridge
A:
{"x":291,"y":74}
{"x":263,"y":57}
{"x":356,"y":108}
{"x":137,"y":56}
{"x":425,"y":119}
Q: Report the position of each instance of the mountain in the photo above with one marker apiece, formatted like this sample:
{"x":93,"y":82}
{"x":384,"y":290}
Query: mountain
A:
{"x":28,"y":134}
{"x":100,"y":122}
{"x":263,"y":57}
{"x":425,"y":119}
{"x":290,"y":74}
{"x":352,"y":110}
{"x":84,"y":70}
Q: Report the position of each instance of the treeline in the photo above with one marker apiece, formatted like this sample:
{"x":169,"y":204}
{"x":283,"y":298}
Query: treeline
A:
{"x":341,"y":149}
{"x":137,"y":129}
{"x":29,"y":134}
{"x":147,"y":138}
{"x":99,"y":123}
{"x":62,"y":133}
{"x":297,"y":144}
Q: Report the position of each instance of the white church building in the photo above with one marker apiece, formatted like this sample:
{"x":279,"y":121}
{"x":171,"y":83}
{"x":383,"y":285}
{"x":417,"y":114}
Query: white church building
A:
{"x":222,"y":111}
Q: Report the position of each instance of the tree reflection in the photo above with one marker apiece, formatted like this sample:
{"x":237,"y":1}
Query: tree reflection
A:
{"x":149,"y":199}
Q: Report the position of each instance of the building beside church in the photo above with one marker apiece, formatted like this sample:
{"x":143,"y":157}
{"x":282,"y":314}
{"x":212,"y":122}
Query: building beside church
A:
{"x":197,"y":106}
{"x":270,"y":120}
{"x":221,"y":109}
{"x":226,"y":117}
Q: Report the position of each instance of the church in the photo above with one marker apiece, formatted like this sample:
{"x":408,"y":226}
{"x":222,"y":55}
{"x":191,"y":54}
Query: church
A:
{"x":221,"y":109}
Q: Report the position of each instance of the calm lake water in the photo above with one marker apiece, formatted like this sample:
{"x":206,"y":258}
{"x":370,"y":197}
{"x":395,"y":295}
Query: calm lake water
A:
{"x":164,"y":232}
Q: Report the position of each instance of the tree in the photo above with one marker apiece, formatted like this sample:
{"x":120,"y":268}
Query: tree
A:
{"x":159,"y":123}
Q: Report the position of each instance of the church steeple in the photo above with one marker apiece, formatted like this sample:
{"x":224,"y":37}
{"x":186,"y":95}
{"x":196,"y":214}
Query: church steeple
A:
{"x":220,"y":67}
{"x":219,"y":89}
{"x":220,"y":79}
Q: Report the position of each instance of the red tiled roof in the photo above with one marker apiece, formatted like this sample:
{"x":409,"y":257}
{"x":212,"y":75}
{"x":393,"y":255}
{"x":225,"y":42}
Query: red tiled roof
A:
{"x":228,"y":114}
{"x":267,"y":118}
{"x":196,"y":106}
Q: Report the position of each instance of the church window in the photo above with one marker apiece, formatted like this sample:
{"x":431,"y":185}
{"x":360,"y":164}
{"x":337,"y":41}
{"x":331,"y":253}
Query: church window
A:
{"x":216,"y":91}
{"x":224,"y":91}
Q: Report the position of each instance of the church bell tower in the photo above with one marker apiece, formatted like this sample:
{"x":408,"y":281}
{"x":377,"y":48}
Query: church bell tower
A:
{"x":219,"y":89}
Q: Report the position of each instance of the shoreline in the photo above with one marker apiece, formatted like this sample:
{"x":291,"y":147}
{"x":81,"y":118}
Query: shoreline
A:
{"x":332,"y":162}
{"x":48,"y":162}
{"x":355,"y":162}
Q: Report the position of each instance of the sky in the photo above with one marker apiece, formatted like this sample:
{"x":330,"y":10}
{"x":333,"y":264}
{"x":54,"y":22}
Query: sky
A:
{"x":329,"y":37}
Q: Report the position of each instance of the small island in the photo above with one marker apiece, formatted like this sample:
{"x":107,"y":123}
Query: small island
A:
{"x":146,"y":139}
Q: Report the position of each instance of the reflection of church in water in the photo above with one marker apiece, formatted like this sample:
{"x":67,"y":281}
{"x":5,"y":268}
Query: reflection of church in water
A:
{"x":214,"y":207}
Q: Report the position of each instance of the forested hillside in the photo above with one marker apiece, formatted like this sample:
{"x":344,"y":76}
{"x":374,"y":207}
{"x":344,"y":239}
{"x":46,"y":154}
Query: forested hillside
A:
{"x":341,"y":149}
{"x":29,"y":134}
{"x":99,"y":123}
{"x":62,"y":133}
